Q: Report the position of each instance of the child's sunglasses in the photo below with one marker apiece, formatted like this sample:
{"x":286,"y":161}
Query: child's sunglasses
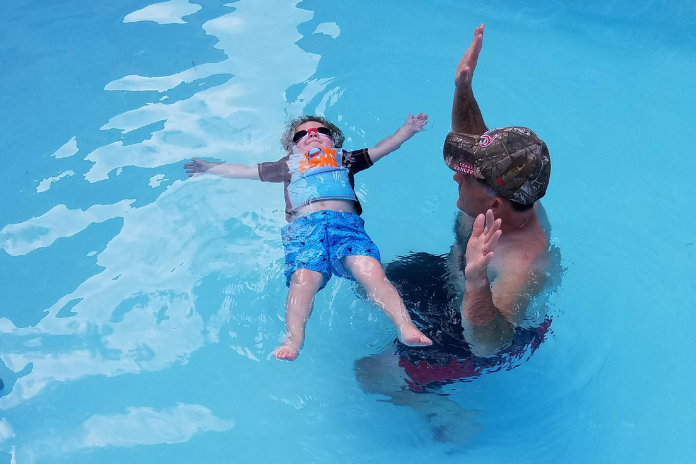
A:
{"x":299,"y":135}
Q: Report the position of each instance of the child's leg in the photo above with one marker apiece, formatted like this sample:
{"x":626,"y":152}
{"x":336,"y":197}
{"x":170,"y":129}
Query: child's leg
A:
{"x":368,"y":271}
{"x":304,"y":285}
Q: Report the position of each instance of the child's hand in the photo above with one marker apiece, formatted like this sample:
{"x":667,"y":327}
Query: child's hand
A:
{"x":416,"y":123}
{"x":197,"y":167}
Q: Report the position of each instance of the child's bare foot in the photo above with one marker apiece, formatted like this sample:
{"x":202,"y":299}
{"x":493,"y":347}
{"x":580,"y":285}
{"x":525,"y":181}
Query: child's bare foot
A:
{"x":288,"y":350}
{"x":411,"y":336}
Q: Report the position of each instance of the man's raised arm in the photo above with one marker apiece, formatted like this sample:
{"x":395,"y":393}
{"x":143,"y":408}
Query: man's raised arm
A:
{"x":466,"y":115}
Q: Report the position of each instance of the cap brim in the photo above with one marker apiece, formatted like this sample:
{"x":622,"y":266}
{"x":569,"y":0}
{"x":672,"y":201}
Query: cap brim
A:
{"x":459,"y":153}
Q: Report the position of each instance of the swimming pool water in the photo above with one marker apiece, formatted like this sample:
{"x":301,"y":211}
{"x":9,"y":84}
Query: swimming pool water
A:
{"x":138,"y":308}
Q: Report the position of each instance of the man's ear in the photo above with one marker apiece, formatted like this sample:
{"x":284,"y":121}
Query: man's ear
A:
{"x":497,"y":205}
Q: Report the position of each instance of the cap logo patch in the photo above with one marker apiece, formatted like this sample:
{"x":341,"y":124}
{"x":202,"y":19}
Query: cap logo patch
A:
{"x":487,"y":140}
{"x":499,"y":181}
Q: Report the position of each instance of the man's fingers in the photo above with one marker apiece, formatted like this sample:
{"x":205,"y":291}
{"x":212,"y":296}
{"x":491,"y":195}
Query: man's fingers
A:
{"x":489,"y":221}
{"x":468,"y":61}
{"x":494,"y":227}
{"x":478,"y":226}
{"x":475,"y":47}
{"x":478,"y":32}
{"x":493,"y":241}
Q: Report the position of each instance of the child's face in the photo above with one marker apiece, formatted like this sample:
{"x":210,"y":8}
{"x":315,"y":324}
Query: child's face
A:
{"x":313,"y":139}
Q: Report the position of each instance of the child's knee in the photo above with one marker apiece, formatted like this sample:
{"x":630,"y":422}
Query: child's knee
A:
{"x":364,"y":265}
{"x":307,"y":277}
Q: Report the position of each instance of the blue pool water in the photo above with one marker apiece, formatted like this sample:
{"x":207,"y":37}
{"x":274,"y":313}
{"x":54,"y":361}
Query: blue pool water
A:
{"x":138,"y":309}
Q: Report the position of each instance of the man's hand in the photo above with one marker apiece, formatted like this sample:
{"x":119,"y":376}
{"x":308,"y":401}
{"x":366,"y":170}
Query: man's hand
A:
{"x":466,"y":115}
{"x":416,"y":123}
{"x":198,"y":167}
{"x":467,"y":65}
{"x":479,"y":250}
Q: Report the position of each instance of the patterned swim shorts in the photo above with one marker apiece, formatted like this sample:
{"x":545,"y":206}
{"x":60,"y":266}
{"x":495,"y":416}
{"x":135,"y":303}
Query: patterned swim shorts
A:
{"x":318,"y":241}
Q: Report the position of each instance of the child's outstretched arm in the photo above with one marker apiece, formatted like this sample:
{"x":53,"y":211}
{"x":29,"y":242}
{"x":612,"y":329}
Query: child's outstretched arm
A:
{"x":232,"y":171}
{"x":413,"y":124}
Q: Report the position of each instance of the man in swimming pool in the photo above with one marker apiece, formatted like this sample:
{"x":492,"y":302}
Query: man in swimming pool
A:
{"x":473,"y":303}
{"x":325,"y":234}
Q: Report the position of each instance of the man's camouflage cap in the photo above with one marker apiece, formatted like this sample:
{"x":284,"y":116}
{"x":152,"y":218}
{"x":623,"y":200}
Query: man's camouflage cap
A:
{"x":512,"y":160}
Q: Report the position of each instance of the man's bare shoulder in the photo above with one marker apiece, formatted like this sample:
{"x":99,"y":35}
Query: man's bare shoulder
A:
{"x":522,"y":252}
{"x":526,"y":254}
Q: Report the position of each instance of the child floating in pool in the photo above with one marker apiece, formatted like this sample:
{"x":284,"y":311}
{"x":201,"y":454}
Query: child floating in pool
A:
{"x":325,"y":234}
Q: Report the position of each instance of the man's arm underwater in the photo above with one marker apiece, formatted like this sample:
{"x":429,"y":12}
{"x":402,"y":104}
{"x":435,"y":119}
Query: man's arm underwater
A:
{"x":466,"y":115}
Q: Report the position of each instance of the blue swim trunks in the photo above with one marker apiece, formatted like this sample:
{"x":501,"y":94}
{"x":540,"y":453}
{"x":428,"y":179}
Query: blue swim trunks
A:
{"x":318,"y":241}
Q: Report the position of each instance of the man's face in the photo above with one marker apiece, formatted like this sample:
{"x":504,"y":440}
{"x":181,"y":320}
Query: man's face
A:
{"x":473,"y":199}
{"x":313,"y":139}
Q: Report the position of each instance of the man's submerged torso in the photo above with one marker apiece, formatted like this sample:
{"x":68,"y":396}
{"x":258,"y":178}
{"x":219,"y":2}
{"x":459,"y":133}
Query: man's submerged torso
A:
{"x":423,"y":279}
{"x":432,"y":287}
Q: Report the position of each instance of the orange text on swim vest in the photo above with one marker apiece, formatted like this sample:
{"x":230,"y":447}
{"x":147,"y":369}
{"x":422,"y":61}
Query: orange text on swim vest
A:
{"x":326,"y":160}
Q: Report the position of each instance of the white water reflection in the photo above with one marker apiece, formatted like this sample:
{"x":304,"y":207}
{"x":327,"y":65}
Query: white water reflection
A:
{"x":145,"y":426}
{"x":138,"y":426}
{"x":58,"y":222}
{"x":330,"y":29}
{"x":45,"y":184}
{"x":69,"y":149}
{"x":156,"y":180}
{"x":171,"y":12}
{"x":139,"y":313}
{"x":162,"y":84}
{"x":6,"y":430}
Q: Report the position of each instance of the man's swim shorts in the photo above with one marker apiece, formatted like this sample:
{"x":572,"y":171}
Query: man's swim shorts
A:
{"x":421,"y":279}
{"x":318,"y":241}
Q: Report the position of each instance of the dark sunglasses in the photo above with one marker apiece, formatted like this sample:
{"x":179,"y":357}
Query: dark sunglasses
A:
{"x":299,"y":135}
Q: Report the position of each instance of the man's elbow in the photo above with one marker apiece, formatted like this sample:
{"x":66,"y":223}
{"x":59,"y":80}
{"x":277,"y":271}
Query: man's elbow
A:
{"x":491,"y":346}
